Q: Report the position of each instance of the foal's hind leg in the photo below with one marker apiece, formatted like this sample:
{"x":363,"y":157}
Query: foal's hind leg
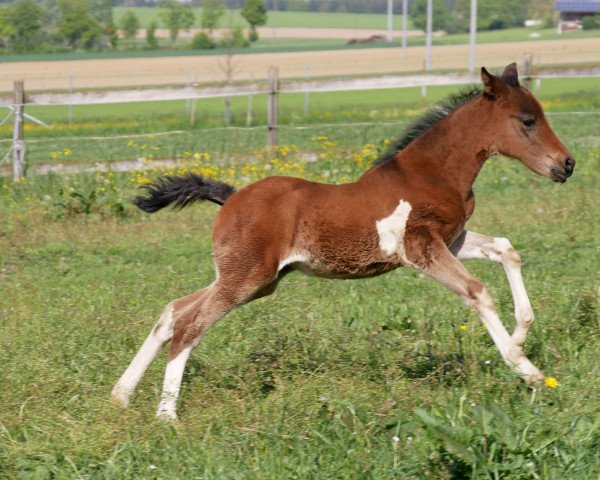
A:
{"x":199,"y":317}
{"x":438,"y":262}
{"x":472,"y":245}
{"x":159,"y":335}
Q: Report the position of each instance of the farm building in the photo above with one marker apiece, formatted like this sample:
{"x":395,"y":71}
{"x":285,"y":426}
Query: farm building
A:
{"x":571,"y":12}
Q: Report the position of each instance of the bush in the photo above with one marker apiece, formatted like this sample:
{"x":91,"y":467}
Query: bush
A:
{"x":253,"y":36}
{"x":591,"y":23}
{"x":151,"y":40}
{"x":234,"y":38}
{"x":202,"y":41}
{"x":440,"y":16}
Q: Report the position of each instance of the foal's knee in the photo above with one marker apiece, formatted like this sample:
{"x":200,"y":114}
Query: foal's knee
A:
{"x":507,"y":252}
{"x":164,"y":327}
{"x":477,"y":296}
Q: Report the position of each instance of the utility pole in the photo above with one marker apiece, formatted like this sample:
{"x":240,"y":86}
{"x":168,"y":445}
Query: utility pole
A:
{"x":472,"y":35}
{"x":390,"y":25}
{"x":428,"y":36}
{"x":404,"y":33}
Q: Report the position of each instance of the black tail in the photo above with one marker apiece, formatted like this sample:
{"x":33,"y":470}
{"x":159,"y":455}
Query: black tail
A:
{"x":181,"y":191}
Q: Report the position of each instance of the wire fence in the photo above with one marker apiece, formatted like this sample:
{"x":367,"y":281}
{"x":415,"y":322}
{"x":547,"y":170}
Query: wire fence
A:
{"x":223,"y":142}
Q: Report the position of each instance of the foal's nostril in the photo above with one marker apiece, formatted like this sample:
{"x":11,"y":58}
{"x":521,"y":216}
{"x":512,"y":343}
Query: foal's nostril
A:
{"x":569,"y":164}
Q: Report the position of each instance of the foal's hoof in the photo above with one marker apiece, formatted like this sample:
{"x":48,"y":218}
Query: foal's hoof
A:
{"x":120,"y":396}
{"x":534,"y":380}
{"x":166,"y":415}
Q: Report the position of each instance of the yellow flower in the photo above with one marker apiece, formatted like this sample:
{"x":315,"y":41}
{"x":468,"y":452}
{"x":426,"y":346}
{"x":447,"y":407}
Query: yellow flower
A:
{"x":551,"y":382}
{"x":463,"y":327}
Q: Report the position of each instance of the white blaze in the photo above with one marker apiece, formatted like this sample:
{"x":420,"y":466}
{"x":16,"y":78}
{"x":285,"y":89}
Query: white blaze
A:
{"x":391,"y":230}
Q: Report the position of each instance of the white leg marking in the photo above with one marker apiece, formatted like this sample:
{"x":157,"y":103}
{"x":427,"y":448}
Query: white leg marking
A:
{"x":391,"y":230}
{"x":159,"y":335}
{"x":167,"y":409}
{"x":500,"y":250}
{"x":511,"y":352}
{"x":512,"y":266}
{"x":453,"y":275}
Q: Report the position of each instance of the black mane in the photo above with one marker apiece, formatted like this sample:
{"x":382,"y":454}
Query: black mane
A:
{"x":432,"y":116}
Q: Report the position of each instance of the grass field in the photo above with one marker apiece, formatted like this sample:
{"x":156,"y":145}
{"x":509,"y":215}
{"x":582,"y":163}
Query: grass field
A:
{"x":277,"y":19}
{"x":390,"y":377}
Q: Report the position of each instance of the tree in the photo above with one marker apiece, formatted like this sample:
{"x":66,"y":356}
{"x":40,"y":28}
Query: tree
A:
{"x":6,"y":27}
{"x":151,"y":40}
{"x":542,"y":10}
{"x":494,"y":15}
{"x":440,"y":14}
{"x":212,"y":11}
{"x":101,"y":10}
{"x":78,"y":25}
{"x":110,"y":31}
{"x":176,"y":17}
{"x":255,"y":14}
{"x":25,"y":17}
{"x":129,"y":24}
{"x":51,"y":9}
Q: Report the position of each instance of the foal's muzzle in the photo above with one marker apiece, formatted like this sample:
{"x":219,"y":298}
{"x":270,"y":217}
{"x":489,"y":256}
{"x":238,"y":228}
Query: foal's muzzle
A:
{"x":561,"y":175}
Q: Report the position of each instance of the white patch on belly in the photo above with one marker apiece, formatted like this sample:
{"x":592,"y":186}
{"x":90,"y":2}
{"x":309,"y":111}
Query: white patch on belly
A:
{"x":295,"y":257}
{"x":391,"y":230}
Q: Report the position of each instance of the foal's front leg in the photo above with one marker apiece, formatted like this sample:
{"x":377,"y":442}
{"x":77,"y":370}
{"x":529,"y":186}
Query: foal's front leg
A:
{"x":436,"y":260}
{"x":471,"y":245}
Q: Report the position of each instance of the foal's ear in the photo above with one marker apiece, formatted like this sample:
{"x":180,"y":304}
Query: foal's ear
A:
{"x":492,"y":85}
{"x":510,"y":75}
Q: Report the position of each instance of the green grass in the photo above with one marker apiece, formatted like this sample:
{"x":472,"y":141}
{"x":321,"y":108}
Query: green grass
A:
{"x":325,"y":379}
{"x":278,"y":19}
{"x":388,"y":109}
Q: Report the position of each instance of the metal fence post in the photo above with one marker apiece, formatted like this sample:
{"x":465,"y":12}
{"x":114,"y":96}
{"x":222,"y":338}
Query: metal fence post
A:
{"x":272,"y":106}
{"x":18,"y":144}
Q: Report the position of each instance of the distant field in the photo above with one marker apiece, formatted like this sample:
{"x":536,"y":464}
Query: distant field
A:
{"x":169,"y":70}
{"x":273,"y":42}
{"x":279,"y":19}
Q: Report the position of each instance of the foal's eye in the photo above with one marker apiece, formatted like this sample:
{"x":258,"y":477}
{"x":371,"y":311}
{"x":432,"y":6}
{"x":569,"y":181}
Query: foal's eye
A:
{"x":530,"y":122}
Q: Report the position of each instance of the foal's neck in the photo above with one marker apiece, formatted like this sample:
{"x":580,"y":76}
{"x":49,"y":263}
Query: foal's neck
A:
{"x":456,"y":147}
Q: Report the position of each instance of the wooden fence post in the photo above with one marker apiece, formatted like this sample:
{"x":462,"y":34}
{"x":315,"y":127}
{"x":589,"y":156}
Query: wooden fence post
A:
{"x":18,"y":144}
{"x":249,"y":109}
{"x":70,"y":107}
{"x":272,"y":106}
{"x":527,"y":71}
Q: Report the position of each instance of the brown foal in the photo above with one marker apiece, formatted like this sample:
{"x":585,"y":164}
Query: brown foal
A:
{"x":409,"y":209}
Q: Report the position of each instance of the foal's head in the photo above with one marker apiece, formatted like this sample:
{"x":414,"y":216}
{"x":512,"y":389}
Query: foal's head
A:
{"x":521,"y":129}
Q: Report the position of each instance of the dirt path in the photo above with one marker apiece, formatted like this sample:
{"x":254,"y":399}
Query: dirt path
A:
{"x":174,"y":70}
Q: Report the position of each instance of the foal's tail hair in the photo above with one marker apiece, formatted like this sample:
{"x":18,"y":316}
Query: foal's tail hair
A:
{"x":181,"y":191}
